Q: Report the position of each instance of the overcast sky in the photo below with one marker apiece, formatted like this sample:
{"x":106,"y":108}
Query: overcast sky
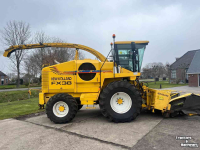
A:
{"x":172,"y":27}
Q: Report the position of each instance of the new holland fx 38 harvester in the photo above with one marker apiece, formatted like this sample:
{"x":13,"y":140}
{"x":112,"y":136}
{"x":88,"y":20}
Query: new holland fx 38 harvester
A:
{"x":114,"y":85}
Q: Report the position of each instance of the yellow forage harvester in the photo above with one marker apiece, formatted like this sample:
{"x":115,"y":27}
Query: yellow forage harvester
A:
{"x":114,"y":85}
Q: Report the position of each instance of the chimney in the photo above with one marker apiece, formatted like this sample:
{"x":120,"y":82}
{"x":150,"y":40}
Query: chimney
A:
{"x":177,"y":58}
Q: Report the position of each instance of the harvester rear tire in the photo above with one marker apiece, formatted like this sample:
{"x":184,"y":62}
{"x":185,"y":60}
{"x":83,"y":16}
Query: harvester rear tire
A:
{"x":68,"y":101}
{"x":130,"y":92}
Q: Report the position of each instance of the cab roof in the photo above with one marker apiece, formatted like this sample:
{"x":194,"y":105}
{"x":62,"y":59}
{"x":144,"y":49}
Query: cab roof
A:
{"x":129,"y":42}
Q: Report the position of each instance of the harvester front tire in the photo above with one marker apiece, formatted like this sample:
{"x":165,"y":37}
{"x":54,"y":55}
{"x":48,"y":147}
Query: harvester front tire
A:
{"x":61,"y":108}
{"x":115,"y":92}
{"x":79,"y":103}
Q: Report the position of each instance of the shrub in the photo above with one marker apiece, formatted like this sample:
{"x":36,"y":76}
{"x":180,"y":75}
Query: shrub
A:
{"x":178,"y":81}
{"x":26,"y":84}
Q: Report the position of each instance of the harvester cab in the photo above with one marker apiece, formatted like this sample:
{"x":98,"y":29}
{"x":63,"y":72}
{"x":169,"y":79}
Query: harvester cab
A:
{"x":129,"y":55}
{"x":114,"y":85}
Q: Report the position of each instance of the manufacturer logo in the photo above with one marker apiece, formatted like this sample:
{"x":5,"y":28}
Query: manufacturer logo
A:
{"x":61,"y":78}
{"x":61,"y":83}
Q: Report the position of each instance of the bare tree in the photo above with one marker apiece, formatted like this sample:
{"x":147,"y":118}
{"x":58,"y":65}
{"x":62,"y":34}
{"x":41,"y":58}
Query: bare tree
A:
{"x":16,"y":33}
{"x":155,"y":70}
{"x":48,"y":55}
{"x":167,"y":70}
{"x":60,"y":54}
{"x":12,"y":76}
{"x":30,"y":68}
{"x":41,"y":37}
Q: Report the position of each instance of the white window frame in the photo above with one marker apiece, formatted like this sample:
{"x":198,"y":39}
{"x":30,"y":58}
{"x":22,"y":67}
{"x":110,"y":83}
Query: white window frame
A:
{"x":173,"y":74}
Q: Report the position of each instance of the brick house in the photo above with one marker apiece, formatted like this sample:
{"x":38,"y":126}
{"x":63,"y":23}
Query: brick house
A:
{"x":4,"y":80}
{"x":194,"y":70}
{"x":179,"y":69}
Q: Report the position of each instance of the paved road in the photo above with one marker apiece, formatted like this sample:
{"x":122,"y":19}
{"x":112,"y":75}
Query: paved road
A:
{"x":186,"y":89}
{"x":90,"y":130}
{"x":19,"y":89}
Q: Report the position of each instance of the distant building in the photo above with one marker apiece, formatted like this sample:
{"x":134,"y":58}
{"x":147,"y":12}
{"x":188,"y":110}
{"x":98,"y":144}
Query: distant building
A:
{"x":4,"y":79}
{"x":194,"y":70}
{"x":186,"y":69}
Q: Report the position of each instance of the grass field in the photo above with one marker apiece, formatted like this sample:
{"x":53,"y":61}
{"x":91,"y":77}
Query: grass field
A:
{"x":14,"y":86}
{"x":16,"y":95}
{"x":165,"y":84}
{"x":19,"y":108}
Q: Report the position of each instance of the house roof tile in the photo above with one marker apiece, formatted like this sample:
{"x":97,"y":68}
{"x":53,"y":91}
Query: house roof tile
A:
{"x":2,"y":74}
{"x":184,"y":61}
{"x":195,"y":64}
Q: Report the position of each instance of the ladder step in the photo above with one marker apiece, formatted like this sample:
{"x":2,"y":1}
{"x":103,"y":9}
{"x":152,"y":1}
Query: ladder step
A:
{"x":90,"y":107}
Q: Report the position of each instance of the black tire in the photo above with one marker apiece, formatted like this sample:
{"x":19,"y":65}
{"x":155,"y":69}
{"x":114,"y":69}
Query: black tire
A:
{"x":66,"y":98}
{"x":109,"y":91}
{"x":80,"y":106}
{"x":79,"y":103}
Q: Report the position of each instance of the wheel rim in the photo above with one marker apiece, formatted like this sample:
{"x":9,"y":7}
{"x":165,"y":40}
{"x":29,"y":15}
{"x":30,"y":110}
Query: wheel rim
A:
{"x":60,"y":109}
{"x":121,"y":102}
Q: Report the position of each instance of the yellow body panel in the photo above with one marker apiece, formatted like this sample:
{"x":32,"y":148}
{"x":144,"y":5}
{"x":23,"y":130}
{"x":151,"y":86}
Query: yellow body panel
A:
{"x":41,"y":99}
{"x":158,"y":99}
{"x":64,"y":78}
{"x":89,"y":98}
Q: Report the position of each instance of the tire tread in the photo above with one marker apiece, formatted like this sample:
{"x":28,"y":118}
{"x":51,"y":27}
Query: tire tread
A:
{"x":109,"y":88}
{"x":70,"y":115}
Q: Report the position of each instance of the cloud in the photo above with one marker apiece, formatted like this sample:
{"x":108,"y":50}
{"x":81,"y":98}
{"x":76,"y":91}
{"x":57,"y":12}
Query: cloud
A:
{"x":171,"y":26}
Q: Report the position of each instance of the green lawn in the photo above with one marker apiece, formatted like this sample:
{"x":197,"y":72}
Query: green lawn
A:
{"x":14,"y":86}
{"x":165,"y":84}
{"x":11,"y":86}
{"x":19,"y":108}
{"x":17,"y":95}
